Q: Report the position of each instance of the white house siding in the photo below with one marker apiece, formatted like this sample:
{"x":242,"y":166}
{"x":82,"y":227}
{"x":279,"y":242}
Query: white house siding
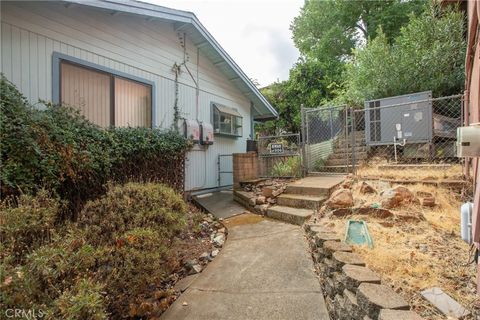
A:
{"x":32,"y":32}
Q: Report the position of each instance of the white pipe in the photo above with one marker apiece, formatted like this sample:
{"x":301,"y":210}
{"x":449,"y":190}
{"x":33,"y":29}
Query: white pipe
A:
{"x":466,"y":222}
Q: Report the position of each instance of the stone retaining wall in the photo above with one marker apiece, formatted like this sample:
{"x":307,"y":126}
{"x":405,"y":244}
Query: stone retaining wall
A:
{"x":352,"y":291}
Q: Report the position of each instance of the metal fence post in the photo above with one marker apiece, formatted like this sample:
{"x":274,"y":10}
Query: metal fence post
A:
{"x":303,"y":142}
{"x":352,"y":114}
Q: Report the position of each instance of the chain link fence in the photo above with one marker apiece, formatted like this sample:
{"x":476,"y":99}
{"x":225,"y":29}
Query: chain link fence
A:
{"x":326,"y":136}
{"x":422,"y":131}
{"x":406,"y":129}
{"x":280,"y":156}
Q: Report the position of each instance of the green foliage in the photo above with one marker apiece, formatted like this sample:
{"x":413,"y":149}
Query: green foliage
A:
{"x":28,"y":225}
{"x":328,"y":30}
{"x":82,"y":301}
{"x":319,"y":164}
{"x":133,"y":205}
{"x":307,"y":85}
{"x":59,"y":150}
{"x":428,"y":54}
{"x":290,"y":167}
{"x":96,"y":268}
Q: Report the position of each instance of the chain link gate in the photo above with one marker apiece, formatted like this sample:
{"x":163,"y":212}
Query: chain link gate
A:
{"x":280,"y":156}
{"x":327,"y":140}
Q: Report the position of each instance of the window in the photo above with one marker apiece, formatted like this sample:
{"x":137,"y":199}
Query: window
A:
{"x":104,"y":98}
{"x":226,"y":121}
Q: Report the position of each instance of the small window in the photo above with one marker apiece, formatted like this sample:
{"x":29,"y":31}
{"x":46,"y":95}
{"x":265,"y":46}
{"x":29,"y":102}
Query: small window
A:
{"x":226,"y":120}
{"x":106,"y":99}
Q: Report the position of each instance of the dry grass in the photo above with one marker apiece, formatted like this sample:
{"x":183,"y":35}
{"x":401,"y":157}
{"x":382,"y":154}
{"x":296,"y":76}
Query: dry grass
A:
{"x":412,"y":256}
{"x":454,"y":172}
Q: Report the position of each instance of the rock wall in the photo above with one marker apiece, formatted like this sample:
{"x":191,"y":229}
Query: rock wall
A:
{"x":352,"y":291}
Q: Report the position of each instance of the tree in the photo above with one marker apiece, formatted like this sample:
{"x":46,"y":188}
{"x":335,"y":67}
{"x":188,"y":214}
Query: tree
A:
{"x":428,"y":54}
{"x":306,"y":85}
{"x":328,"y":30}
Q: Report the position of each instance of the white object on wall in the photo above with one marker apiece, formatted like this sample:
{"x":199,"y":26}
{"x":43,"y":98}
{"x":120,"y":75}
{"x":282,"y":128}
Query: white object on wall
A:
{"x":207,"y":137}
{"x":468,"y":141}
{"x":191,"y":130}
{"x":466,"y":222}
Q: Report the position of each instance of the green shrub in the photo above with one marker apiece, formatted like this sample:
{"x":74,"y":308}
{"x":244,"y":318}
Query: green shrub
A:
{"x":82,"y":301}
{"x":59,"y":150}
{"x":319,"y":164}
{"x":26,"y":225}
{"x":291,"y":167}
{"x":130,"y":206}
{"x":111,"y":259}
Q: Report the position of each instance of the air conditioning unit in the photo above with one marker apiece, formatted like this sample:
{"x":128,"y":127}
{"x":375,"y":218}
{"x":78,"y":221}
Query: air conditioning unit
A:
{"x":206,"y":134}
{"x":190,"y":129}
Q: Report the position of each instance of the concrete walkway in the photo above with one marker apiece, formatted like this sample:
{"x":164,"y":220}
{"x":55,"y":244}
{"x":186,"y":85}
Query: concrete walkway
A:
{"x":220,"y":204}
{"x":263,"y":272}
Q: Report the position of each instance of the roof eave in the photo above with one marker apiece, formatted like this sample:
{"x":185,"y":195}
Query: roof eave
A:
{"x":185,"y":17}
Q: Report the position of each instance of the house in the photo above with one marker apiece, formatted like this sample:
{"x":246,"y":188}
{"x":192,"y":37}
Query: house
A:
{"x":472,"y":114}
{"x":129,"y":63}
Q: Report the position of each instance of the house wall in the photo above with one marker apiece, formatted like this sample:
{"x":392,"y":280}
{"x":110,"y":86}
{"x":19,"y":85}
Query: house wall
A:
{"x":472,"y":86}
{"x":32,"y":32}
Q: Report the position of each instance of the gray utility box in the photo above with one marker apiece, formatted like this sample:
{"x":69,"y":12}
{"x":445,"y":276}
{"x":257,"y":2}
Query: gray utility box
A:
{"x":409,"y":117}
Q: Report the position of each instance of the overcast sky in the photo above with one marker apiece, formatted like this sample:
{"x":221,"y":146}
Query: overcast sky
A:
{"x":255,"y":33}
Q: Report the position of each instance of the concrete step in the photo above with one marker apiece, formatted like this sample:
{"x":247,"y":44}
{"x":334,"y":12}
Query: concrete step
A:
{"x":358,"y":148}
{"x":331,"y":169}
{"x":339,"y":162}
{"x":300,"y":201}
{"x":313,"y":186}
{"x":343,"y":155}
{"x":348,"y":143}
{"x":290,"y":215}
{"x":307,"y":190}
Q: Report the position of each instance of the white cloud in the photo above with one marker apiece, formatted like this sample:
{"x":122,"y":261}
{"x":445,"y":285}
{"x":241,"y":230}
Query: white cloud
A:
{"x":254,"y":33}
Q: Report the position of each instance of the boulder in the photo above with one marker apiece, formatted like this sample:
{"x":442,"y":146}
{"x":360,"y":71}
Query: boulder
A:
{"x":397,"y":196}
{"x":261,"y":208}
{"x":341,"y":198}
{"x":267,"y":191}
{"x":348,"y":183}
{"x":219,"y":240}
{"x":428,"y":202}
{"x":366,"y":188}
{"x":261,"y":200}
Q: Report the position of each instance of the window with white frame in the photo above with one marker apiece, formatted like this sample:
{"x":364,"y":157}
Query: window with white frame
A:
{"x":226,"y":121}
{"x":104,"y":98}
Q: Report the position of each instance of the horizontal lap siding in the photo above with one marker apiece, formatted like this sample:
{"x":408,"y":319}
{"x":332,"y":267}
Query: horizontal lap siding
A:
{"x":130,"y":44}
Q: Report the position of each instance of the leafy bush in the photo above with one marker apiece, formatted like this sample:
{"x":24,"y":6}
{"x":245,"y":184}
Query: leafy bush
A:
{"x":115,"y":254}
{"x":59,"y":150}
{"x":428,"y":54}
{"x":319,"y":164}
{"x":133,"y":205}
{"x":82,"y":301}
{"x":290,"y":167}
{"x":26,"y":226}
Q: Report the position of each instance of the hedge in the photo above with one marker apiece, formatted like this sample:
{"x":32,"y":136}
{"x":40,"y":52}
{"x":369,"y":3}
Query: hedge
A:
{"x":57,"y":149}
